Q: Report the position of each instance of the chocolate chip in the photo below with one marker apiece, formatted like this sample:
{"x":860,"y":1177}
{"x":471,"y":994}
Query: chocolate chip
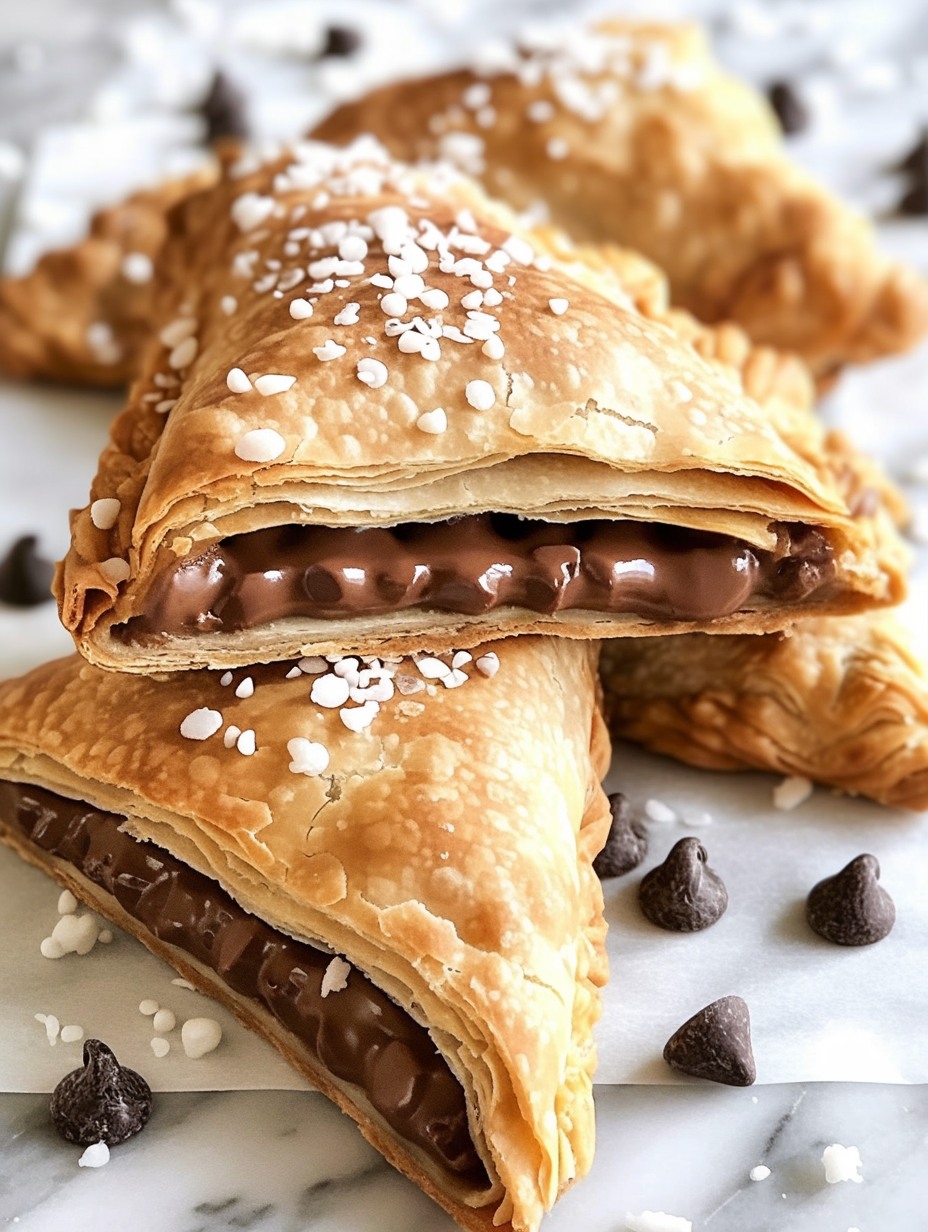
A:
{"x":683,"y":894}
{"x":789,"y":107}
{"x":852,"y":908}
{"x":224,"y":110}
{"x":917,"y":157}
{"x":914,"y":201}
{"x":715,"y":1044}
{"x":103,"y":1102}
{"x":627,"y":844}
{"x":25,"y":576}
{"x":340,"y":41}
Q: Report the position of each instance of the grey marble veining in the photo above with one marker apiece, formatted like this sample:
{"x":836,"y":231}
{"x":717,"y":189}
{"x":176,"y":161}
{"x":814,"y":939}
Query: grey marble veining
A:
{"x":276,"y":1161}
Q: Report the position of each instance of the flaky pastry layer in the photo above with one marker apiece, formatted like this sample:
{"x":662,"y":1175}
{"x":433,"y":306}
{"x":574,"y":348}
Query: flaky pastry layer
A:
{"x":446,"y":851}
{"x":842,"y":701}
{"x":631,"y":132}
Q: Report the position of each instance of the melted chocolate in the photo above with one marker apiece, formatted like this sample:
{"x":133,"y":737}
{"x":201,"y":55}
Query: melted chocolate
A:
{"x":359,"y":1034}
{"x":472,"y":565}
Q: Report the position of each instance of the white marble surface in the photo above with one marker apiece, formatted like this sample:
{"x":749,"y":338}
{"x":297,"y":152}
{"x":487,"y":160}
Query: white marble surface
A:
{"x":277,"y":1161}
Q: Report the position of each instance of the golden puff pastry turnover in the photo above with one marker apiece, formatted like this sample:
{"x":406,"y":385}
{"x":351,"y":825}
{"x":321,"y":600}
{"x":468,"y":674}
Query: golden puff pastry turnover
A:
{"x":841,"y":701}
{"x":403,"y":903}
{"x":84,"y":313}
{"x":374,"y":417}
{"x":631,"y":132}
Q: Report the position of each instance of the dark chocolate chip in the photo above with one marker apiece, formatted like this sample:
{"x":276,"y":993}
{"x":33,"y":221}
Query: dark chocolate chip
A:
{"x":224,"y":110}
{"x":852,"y":908}
{"x":789,"y":107}
{"x":627,"y":844}
{"x":914,"y":201}
{"x":103,"y":1102}
{"x":683,"y":894}
{"x":340,"y":41}
{"x":917,"y":157}
{"x":715,"y":1044}
{"x":25,"y":576}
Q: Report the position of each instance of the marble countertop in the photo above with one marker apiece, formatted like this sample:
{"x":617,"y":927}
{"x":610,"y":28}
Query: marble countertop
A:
{"x":276,"y":1161}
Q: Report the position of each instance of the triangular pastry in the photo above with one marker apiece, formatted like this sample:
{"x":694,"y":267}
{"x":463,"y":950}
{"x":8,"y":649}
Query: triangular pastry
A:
{"x":630,"y":132}
{"x":841,"y":701}
{"x":405,"y":907}
{"x":374,"y":416}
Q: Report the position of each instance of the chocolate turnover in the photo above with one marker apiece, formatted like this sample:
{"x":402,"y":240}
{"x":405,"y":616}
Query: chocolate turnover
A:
{"x":358,"y":1034}
{"x":102,"y":1101}
{"x":25,"y":576}
{"x":472,"y":565}
{"x":683,"y":894}
{"x":627,"y":843}
{"x":715,"y":1044}
{"x":852,"y":908}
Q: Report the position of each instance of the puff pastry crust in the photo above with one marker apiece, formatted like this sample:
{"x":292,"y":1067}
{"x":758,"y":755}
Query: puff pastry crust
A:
{"x":83,"y":315}
{"x":631,"y":132}
{"x":446,"y":851}
{"x":843,"y":702}
{"x":595,"y":413}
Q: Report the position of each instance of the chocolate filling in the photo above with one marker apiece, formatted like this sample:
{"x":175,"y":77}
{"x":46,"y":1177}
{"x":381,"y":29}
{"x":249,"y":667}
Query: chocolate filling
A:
{"x":471,"y":565}
{"x":358,"y":1034}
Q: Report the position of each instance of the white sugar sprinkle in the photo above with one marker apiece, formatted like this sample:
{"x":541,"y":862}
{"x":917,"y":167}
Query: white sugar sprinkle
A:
{"x":250,"y":210}
{"x":372,"y":373}
{"x":360,"y":717}
{"x":312,"y":665}
{"x":348,"y":315}
{"x":165,"y":405}
{"x":67,"y":903}
{"x":480,"y":395}
{"x":293,"y":673}
{"x":558,"y":306}
{"x":330,"y":349}
{"x":300,"y":309}
{"x":160,"y":1046}
{"x":137,"y":268}
{"x":657,"y":810}
{"x":178,"y":331}
{"x":432,"y":668}
{"x":261,"y":445}
{"x":246,"y":743}
{"x":335,"y":977}
{"x":792,"y":792}
{"x":393,"y":305}
{"x":116,"y":569}
{"x":238,"y":382}
{"x":231,"y":735}
{"x":493,"y":348}
{"x":557,"y":148}
{"x":104,"y":512}
{"x":460,"y":658}
{"x":841,"y":1163}
{"x":95,"y":1156}
{"x":163,"y":1021}
{"x":274,"y":383}
{"x":200,"y":1036}
{"x":245,"y":688}
{"x":50,"y":948}
{"x":308,"y":757}
{"x":488,"y":664}
{"x":105,"y":936}
{"x":657,"y":1221}
{"x":759,"y":1172}
{"x":51,"y":1025}
{"x":182,"y":983}
{"x":201,"y":724}
{"x":183,"y":354}
{"x":434,"y":422}
{"x":434,"y":299}
{"x":330,"y":691}
{"x":228,"y":305}
{"x":540,"y":110}
{"x":225,"y":679}
{"x":71,"y":1033}
{"x":149,"y":1007}
{"x":698,"y":820}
